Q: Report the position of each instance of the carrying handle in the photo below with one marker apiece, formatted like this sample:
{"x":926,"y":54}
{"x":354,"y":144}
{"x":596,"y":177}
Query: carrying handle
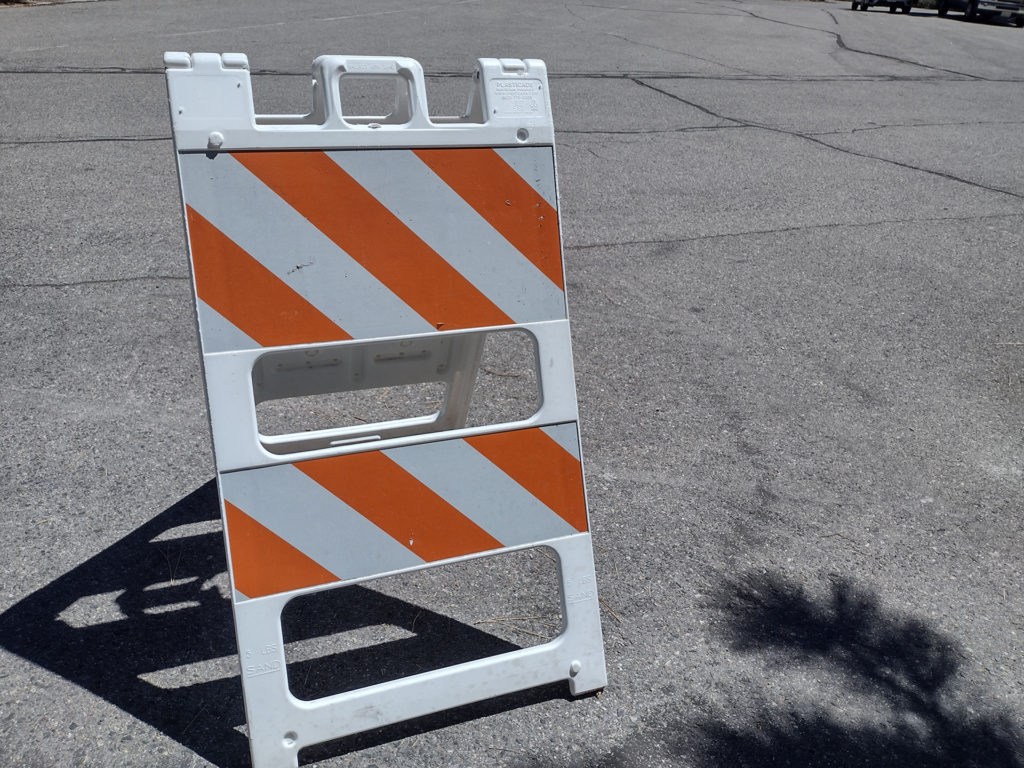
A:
{"x":410,"y":107}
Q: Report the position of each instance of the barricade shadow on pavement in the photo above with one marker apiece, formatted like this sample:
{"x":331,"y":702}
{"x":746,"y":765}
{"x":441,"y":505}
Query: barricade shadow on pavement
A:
{"x":917,"y":714}
{"x":146,"y":625}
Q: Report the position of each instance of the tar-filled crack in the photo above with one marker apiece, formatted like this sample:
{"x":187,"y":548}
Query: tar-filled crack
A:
{"x":648,"y":75}
{"x":652,"y":131}
{"x":884,"y":126}
{"x":100,"y":281}
{"x":842,"y":44}
{"x":79,"y":140}
{"x":667,"y":12}
{"x":81,"y":71}
{"x":696,"y":106}
{"x":814,"y":140}
{"x":676,"y":52}
{"x":786,"y":230}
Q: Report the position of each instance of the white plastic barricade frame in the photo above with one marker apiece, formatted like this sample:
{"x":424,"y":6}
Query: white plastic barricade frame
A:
{"x":333,"y":253}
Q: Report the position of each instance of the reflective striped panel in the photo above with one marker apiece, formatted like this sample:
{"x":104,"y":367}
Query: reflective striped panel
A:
{"x":293,"y":247}
{"x":292,"y":526}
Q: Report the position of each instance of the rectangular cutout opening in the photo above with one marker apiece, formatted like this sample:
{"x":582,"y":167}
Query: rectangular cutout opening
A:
{"x":374,"y":99}
{"x":354,"y":392}
{"x":347,"y":638}
{"x":367,"y":406}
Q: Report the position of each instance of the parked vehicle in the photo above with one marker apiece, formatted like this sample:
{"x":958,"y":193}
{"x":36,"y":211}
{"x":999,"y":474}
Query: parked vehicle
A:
{"x":973,"y":9}
{"x":903,"y":5}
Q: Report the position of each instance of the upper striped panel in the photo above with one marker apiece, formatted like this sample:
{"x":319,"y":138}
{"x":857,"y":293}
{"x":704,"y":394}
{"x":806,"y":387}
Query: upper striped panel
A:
{"x":292,"y":526}
{"x":296,"y":247}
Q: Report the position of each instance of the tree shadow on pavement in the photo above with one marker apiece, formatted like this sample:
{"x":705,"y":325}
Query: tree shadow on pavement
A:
{"x":875,"y":689}
{"x":146,"y":625}
{"x":905,"y":670}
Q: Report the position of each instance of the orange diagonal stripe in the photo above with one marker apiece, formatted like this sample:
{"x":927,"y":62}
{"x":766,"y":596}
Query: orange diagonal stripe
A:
{"x":359,"y":224}
{"x":399,"y":504}
{"x":249,"y":295}
{"x":500,"y":195}
{"x":542,"y":467}
{"x":262,"y":563}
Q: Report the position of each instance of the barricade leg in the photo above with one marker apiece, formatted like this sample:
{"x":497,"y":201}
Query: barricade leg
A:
{"x":280,"y":724}
{"x":465,"y":363}
{"x":582,"y":614}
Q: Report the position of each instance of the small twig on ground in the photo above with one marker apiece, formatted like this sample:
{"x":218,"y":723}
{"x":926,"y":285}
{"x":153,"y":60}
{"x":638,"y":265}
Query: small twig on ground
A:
{"x":610,"y":609}
{"x":507,"y":621}
{"x":194,"y":718}
{"x":506,"y":374}
{"x":840,"y":535}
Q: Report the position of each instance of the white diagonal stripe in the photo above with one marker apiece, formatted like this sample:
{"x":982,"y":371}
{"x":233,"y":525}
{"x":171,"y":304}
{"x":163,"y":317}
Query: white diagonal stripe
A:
{"x":536,"y":166}
{"x":218,"y":333}
{"x":567,"y":436}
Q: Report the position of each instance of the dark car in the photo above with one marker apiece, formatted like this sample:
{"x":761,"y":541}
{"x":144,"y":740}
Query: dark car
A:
{"x":903,"y":5}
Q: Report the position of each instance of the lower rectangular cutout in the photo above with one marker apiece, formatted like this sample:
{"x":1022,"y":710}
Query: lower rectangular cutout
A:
{"x":348,"y":638}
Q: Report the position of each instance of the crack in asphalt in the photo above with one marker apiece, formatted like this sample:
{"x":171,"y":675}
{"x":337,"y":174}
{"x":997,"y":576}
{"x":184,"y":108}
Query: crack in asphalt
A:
{"x":642,"y":81}
{"x":785,"y":230}
{"x":680,"y":129}
{"x":881,"y":127}
{"x":842,"y":44}
{"x":652,"y":10}
{"x":648,"y":75}
{"x":705,"y":110}
{"x":99,"y":281}
{"x":676,"y":52}
{"x":82,"y":71}
{"x":814,"y":140}
{"x":80,"y":140}
{"x":744,"y":126}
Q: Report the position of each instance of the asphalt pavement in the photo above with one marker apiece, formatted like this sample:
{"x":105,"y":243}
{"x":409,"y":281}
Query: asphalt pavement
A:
{"x":793,"y":239}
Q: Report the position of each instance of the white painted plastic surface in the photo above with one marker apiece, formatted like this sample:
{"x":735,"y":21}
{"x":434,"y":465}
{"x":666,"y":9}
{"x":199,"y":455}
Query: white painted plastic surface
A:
{"x":212,"y":106}
{"x":212,"y":111}
{"x":281,"y":724}
{"x":239,"y":445}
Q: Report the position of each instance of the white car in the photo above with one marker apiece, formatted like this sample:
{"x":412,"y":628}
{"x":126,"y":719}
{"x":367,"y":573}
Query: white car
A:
{"x":973,"y":9}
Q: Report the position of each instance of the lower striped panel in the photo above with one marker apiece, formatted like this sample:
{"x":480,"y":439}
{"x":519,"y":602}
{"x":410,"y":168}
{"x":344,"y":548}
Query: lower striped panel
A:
{"x":292,"y":526}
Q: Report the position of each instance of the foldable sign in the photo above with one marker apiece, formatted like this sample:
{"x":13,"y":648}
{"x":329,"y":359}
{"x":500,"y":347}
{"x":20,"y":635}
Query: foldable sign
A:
{"x":335,"y":253}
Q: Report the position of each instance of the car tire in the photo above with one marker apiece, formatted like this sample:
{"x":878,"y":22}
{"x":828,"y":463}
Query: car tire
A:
{"x":855,"y":5}
{"x":1019,"y":21}
{"x":943,"y":8}
{"x":906,"y":9}
{"x":892,"y":9}
{"x":971,"y":12}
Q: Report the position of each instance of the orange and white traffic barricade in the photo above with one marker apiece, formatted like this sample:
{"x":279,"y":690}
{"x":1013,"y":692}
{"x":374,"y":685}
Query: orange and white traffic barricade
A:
{"x":333,"y":253}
